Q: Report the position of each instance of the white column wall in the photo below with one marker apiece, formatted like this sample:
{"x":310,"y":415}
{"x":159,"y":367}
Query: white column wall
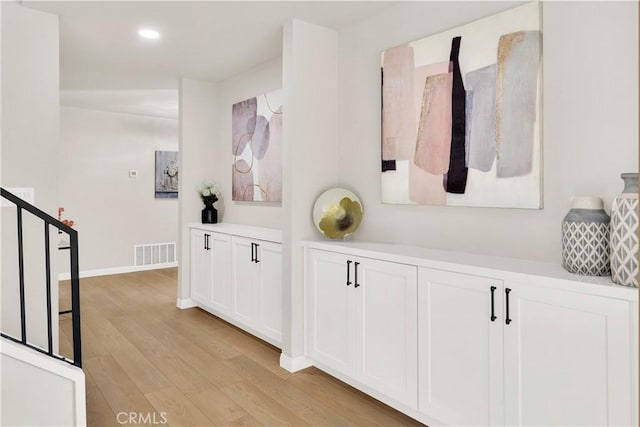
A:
{"x":198,"y":133}
{"x":30,"y":146}
{"x":310,"y":82}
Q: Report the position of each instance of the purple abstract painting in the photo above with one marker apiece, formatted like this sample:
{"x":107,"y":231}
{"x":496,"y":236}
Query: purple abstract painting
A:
{"x":256,"y":130}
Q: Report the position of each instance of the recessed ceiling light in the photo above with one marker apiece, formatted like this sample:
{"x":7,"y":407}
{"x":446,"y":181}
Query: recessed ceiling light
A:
{"x":149,"y":34}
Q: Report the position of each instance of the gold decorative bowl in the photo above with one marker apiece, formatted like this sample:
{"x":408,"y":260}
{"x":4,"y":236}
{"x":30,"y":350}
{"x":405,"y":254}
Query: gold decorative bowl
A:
{"x":337,"y":213}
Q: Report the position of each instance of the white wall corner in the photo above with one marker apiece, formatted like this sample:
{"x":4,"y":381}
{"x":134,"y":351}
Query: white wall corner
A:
{"x":294,"y":364}
{"x":198,"y":128}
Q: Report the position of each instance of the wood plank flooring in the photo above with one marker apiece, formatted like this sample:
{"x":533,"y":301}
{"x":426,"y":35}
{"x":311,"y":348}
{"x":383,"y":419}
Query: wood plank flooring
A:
{"x":145,"y":358}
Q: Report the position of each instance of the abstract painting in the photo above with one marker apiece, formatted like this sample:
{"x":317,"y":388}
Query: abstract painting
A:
{"x":461,"y":115}
{"x":167,"y":174}
{"x":256,"y":128}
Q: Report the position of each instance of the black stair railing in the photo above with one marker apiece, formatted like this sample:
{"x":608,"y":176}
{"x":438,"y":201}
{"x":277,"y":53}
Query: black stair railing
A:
{"x":48,"y":220}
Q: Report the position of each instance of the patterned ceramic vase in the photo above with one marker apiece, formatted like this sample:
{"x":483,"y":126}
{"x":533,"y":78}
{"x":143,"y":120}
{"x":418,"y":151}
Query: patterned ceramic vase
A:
{"x":585,"y":238}
{"x":624,"y":233}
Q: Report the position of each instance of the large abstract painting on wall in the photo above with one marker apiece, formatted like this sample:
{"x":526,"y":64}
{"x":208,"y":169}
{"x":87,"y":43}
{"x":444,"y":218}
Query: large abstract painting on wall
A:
{"x":257,"y":148}
{"x":167,"y":175}
{"x":461,"y":115}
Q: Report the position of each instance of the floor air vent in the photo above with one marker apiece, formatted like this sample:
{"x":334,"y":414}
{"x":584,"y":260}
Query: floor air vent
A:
{"x":154,"y":253}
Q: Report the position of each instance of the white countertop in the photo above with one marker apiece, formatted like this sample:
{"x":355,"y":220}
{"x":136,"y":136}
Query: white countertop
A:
{"x":518,"y":270}
{"x":250,"y":231}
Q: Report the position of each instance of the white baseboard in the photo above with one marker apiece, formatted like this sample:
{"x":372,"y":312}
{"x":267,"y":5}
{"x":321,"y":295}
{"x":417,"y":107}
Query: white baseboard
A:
{"x":294,"y":364}
{"x":185,"y":303}
{"x":118,"y":270}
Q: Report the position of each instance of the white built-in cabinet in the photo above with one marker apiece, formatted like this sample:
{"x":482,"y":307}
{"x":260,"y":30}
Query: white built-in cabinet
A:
{"x":516,"y":354}
{"x":568,"y":359}
{"x":460,"y":347}
{"x":473,"y":344}
{"x":363,"y":322}
{"x":239,"y":277}
{"x":211,"y":270}
{"x":201,"y":267}
{"x":257,"y":280}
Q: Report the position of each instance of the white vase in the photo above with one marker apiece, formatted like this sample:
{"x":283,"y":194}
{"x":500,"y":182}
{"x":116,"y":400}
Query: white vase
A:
{"x":624,"y":233}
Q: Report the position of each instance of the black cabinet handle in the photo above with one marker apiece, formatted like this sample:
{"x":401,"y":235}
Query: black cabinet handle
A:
{"x":348,"y":274}
{"x":206,"y":242}
{"x":256,"y":257}
{"x":355,"y":277}
{"x":253,"y":258}
{"x":493,"y":309}
{"x":507,"y":320}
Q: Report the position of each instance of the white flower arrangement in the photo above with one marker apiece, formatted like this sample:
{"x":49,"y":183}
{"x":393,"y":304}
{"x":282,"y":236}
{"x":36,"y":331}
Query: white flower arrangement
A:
{"x":171,"y":170}
{"x":208,"y":192}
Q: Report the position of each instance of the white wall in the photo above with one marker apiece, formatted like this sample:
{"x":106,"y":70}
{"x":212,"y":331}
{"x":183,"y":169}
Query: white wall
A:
{"x":113,"y":212}
{"x":310,"y":147}
{"x":30,"y":136}
{"x":590,"y":123}
{"x":262,"y":79}
{"x":198,"y":154}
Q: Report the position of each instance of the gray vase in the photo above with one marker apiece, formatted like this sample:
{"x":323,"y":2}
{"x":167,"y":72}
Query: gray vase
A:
{"x":585,"y":238}
{"x":624,"y":233}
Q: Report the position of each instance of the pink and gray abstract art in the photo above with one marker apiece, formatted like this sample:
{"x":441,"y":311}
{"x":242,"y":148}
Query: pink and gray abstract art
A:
{"x":256,"y":131}
{"x":461,"y":115}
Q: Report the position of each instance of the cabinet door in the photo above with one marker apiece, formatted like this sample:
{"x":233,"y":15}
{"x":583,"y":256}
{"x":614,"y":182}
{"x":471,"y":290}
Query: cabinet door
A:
{"x":269,"y":265}
{"x":567,"y":358}
{"x":246,"y":293}
{"x":460,"y":348}
{"x":221,"y":299}
{"x":330,"y":314}
{"x":386,"y":306}
{"x":201,"y":267}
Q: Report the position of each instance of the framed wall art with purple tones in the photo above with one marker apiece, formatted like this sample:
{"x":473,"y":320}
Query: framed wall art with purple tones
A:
{"x":461,"y":115}
{"x":256,"y":129}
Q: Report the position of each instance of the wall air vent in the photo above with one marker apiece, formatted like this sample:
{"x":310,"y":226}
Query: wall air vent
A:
{"x":154,"y":253}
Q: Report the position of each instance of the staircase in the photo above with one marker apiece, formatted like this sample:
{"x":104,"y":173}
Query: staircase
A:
{"x":39,"y":386}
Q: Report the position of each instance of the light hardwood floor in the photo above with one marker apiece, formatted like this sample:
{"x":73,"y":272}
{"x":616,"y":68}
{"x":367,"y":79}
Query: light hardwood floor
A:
{"x":144,"y":356}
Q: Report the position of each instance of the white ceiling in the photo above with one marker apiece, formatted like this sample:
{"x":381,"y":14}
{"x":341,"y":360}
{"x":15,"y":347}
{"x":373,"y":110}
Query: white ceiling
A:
{"x":211,"y":41}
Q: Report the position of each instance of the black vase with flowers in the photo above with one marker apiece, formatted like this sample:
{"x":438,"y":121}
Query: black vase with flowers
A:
{"x":209,"y":214}
{"x":209,"y":197}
